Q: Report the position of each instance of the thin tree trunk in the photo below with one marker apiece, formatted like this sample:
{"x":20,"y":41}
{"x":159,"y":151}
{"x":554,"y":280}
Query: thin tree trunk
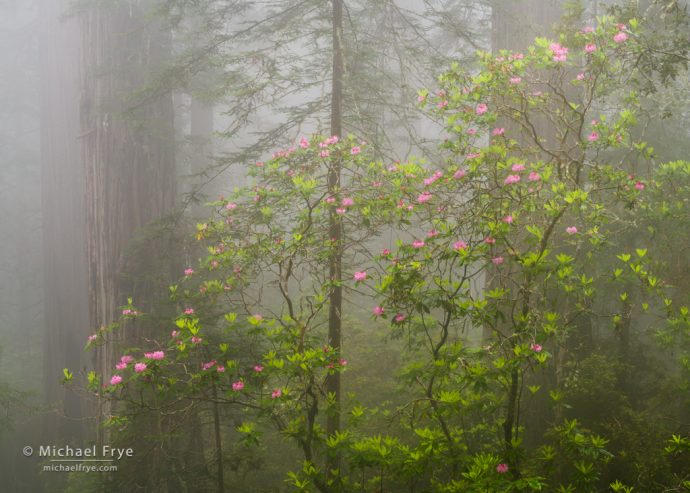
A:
{"x":335,"y":230}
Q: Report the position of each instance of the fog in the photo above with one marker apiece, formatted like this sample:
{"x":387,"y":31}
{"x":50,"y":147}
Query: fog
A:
{"x":344,"y":246}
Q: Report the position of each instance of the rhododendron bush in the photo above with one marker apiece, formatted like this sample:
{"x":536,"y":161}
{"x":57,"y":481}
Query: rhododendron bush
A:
{"x":503,"y":262}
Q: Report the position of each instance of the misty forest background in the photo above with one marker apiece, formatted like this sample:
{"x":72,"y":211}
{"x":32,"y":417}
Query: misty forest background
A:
{"x":122,"y":119}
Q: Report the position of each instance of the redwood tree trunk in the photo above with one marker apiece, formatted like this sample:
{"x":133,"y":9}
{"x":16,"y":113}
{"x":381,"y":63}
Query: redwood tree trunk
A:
{"x":128,"y":155}
{"x":62,"y":182}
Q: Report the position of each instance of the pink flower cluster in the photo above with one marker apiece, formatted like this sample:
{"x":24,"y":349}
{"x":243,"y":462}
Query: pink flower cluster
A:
{"x":424,"y":197}
{"x":433,"y":178}
{"x":459,"y":245}
{"x":360,"y":276}
{"x":560,"y":53}
{"x":155,"y":355}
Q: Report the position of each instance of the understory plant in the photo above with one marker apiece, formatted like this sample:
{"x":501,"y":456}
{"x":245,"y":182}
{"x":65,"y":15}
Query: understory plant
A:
{"x":508,"y":268}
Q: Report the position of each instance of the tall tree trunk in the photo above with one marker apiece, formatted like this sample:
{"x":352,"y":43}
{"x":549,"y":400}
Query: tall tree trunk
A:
{"x":336,"y":228}
{"x":128,"y":158}
{"x":62,"y":182}
{"x":514,"y":27}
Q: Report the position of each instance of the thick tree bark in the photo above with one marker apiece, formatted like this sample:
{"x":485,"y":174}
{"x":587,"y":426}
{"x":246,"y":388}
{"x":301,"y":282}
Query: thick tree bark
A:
{"x":128,"y":158}
{"x":65,"y":269}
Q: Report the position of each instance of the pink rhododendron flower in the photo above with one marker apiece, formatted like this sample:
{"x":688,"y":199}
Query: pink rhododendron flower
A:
{"x":498,"y":131}
{"x":130,"y":312}
{"x":121,"y":365}
{"x":471,"y":131}
{"x":196,"y":340}
{"x":188,"y":271}
{"x":155,"y":355}
{"x":355,"y":150}
{"x":421,"y":98}
{"x":442,"y":104}
{"x":378,"y":311}
{"x":258,"y":368}
{"x":276,"y":394}
{"x":432,"y":234}
{"x":385,"y":252}
{"x":497,"y":260}
{"x":238,"y":385}
{"x":587,"y":29}
{"x":473,"y":155}
{"x":330,"y":200}
{"x":418,"y":243}
{"x":515,"y":80}
{"x":116,"y":379}
{"x":639,"y":186}
{"x":620,"y":37}
{"x":489,"y":240}
{"x":581,"y":76}
{"x":518,"y":167}
{"x":593,"y":137}
{"x":347,"y":202}
{"x":174,"y":334}
{"x":459,"y":245}
{"x":360,"y":276}
{"x":189,"y":311}
{"x":459,"y":173}
{"x":208,"y":365}
{"x":536,"y":348}
{"x":534,"y":176}
{"x":92,"y":337}
{"x":508,"y":219}
{"x":303,"y":143}
{"x":433,"y":178}
{"x":342,"y":362}
{"x":140,"y":367}
{"x":510,"y":179}
{"x":502,"y":468}
{"x":481,"y":109}
{"x":571,"y":230}
{"x":126,"y":359}
{"x":340,"y":211}
{"x":424,"y":197}
{"x":590,"y":48}
{"x":560,"y":53}
{"x":325,"y":153}
{"x":220,"y":369}
{"x":399,"y":318}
